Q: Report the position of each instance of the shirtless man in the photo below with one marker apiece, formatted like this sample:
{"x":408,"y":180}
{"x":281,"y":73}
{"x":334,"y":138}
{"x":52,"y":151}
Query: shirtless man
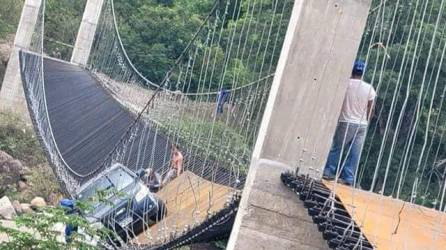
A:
{"x":176,"y":165}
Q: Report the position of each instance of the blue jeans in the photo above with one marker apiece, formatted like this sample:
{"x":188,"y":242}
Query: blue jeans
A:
{"x":352,"y":137}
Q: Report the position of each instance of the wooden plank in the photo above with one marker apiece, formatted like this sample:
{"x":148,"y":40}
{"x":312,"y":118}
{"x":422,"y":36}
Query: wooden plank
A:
{"x":189,"y":199}
{"x":393,"y":224}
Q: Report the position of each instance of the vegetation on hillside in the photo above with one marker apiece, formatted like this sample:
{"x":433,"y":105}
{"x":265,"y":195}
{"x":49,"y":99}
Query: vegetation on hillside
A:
{"x":155,"y":52}
{"x":19,"y":140}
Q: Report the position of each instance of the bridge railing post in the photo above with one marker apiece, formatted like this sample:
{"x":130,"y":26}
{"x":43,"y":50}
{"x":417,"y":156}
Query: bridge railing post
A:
{"x":12,"y":96}
{"x":300,"y":118}
{"x":87,"y":30}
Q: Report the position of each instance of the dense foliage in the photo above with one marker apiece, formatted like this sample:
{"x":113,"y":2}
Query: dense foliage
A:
{"x":155,"y":32}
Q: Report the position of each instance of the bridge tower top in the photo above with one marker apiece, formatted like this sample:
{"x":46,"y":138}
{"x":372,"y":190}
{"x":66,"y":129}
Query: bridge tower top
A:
{"x":87,"y":29}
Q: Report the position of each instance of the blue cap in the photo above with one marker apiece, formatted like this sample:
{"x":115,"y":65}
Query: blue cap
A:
{"x":67,"y":203}
{"x":359,"y":67}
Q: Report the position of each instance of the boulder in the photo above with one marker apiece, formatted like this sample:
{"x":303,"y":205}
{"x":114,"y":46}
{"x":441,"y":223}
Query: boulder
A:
{"x":17,"y":207}
{"x":26,"y":208}
{"x":4,"y":157}
{"x":22,"y":186}
{"x":13,"y":166}
{"x":11,"y":170}
{"x":7,"y":210}
{"x":38,"y":202}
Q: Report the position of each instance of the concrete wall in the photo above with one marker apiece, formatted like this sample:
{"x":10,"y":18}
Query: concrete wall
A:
{"x":87,"y":30}
{"x":12,"y":97}
{"x":299,"y":121}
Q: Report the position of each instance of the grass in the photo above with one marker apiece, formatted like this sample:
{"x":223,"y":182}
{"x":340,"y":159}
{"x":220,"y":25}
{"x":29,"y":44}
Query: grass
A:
{"x":19,"y":140}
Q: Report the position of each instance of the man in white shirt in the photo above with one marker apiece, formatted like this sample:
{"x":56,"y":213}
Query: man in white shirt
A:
{"x":352,"y":128}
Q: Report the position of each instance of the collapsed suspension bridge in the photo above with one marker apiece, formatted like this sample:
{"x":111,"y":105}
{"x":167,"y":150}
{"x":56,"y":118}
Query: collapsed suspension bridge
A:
{"x":98,"y":110}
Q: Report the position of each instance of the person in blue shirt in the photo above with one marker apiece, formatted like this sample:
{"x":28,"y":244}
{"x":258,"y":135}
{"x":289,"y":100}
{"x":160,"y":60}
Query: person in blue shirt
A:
{"x":222,"y":98}
{"x":70,"y":208}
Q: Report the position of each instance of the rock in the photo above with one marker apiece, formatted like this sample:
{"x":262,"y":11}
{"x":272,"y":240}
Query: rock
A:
{"x":14,"y":166}
{"x":38,"y":202}
{"x":17,"y":207}
{"x":22,"y":186}
{"x":26,"y":208}
{"x":11,"y":170}
{"x":4,"y":157}
{"x":7,"y":211}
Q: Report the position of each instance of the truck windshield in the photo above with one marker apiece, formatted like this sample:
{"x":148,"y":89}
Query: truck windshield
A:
{"x":116,"y":180}
{"x":91,"y":191}
{"x":120,"y":179}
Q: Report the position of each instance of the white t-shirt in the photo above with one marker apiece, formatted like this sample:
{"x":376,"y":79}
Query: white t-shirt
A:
{"x":354,"y":109}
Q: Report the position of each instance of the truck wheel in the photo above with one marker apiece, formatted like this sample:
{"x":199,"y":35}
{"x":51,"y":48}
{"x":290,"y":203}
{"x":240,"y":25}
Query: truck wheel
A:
{"x":161,"y":213}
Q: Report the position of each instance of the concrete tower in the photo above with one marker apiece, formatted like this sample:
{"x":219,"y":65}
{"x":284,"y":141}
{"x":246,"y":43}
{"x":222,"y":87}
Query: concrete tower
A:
{"x":12,"y":97}
{"x":87,"y":29}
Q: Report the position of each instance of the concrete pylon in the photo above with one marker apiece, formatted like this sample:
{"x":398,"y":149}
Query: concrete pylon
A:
{"x":12,"y":96}
{"x":87,"y":30}
{"x":299,"y":122}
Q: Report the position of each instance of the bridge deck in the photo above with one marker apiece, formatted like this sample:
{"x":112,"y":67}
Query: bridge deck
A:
{"x":393,"y":224}
{"x":189,"y":199}
{"x":87,"y":122}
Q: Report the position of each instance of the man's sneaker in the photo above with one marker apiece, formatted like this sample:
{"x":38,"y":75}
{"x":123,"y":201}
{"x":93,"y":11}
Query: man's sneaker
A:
{"x":344,"y":182}
{"x":328,"y":177}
